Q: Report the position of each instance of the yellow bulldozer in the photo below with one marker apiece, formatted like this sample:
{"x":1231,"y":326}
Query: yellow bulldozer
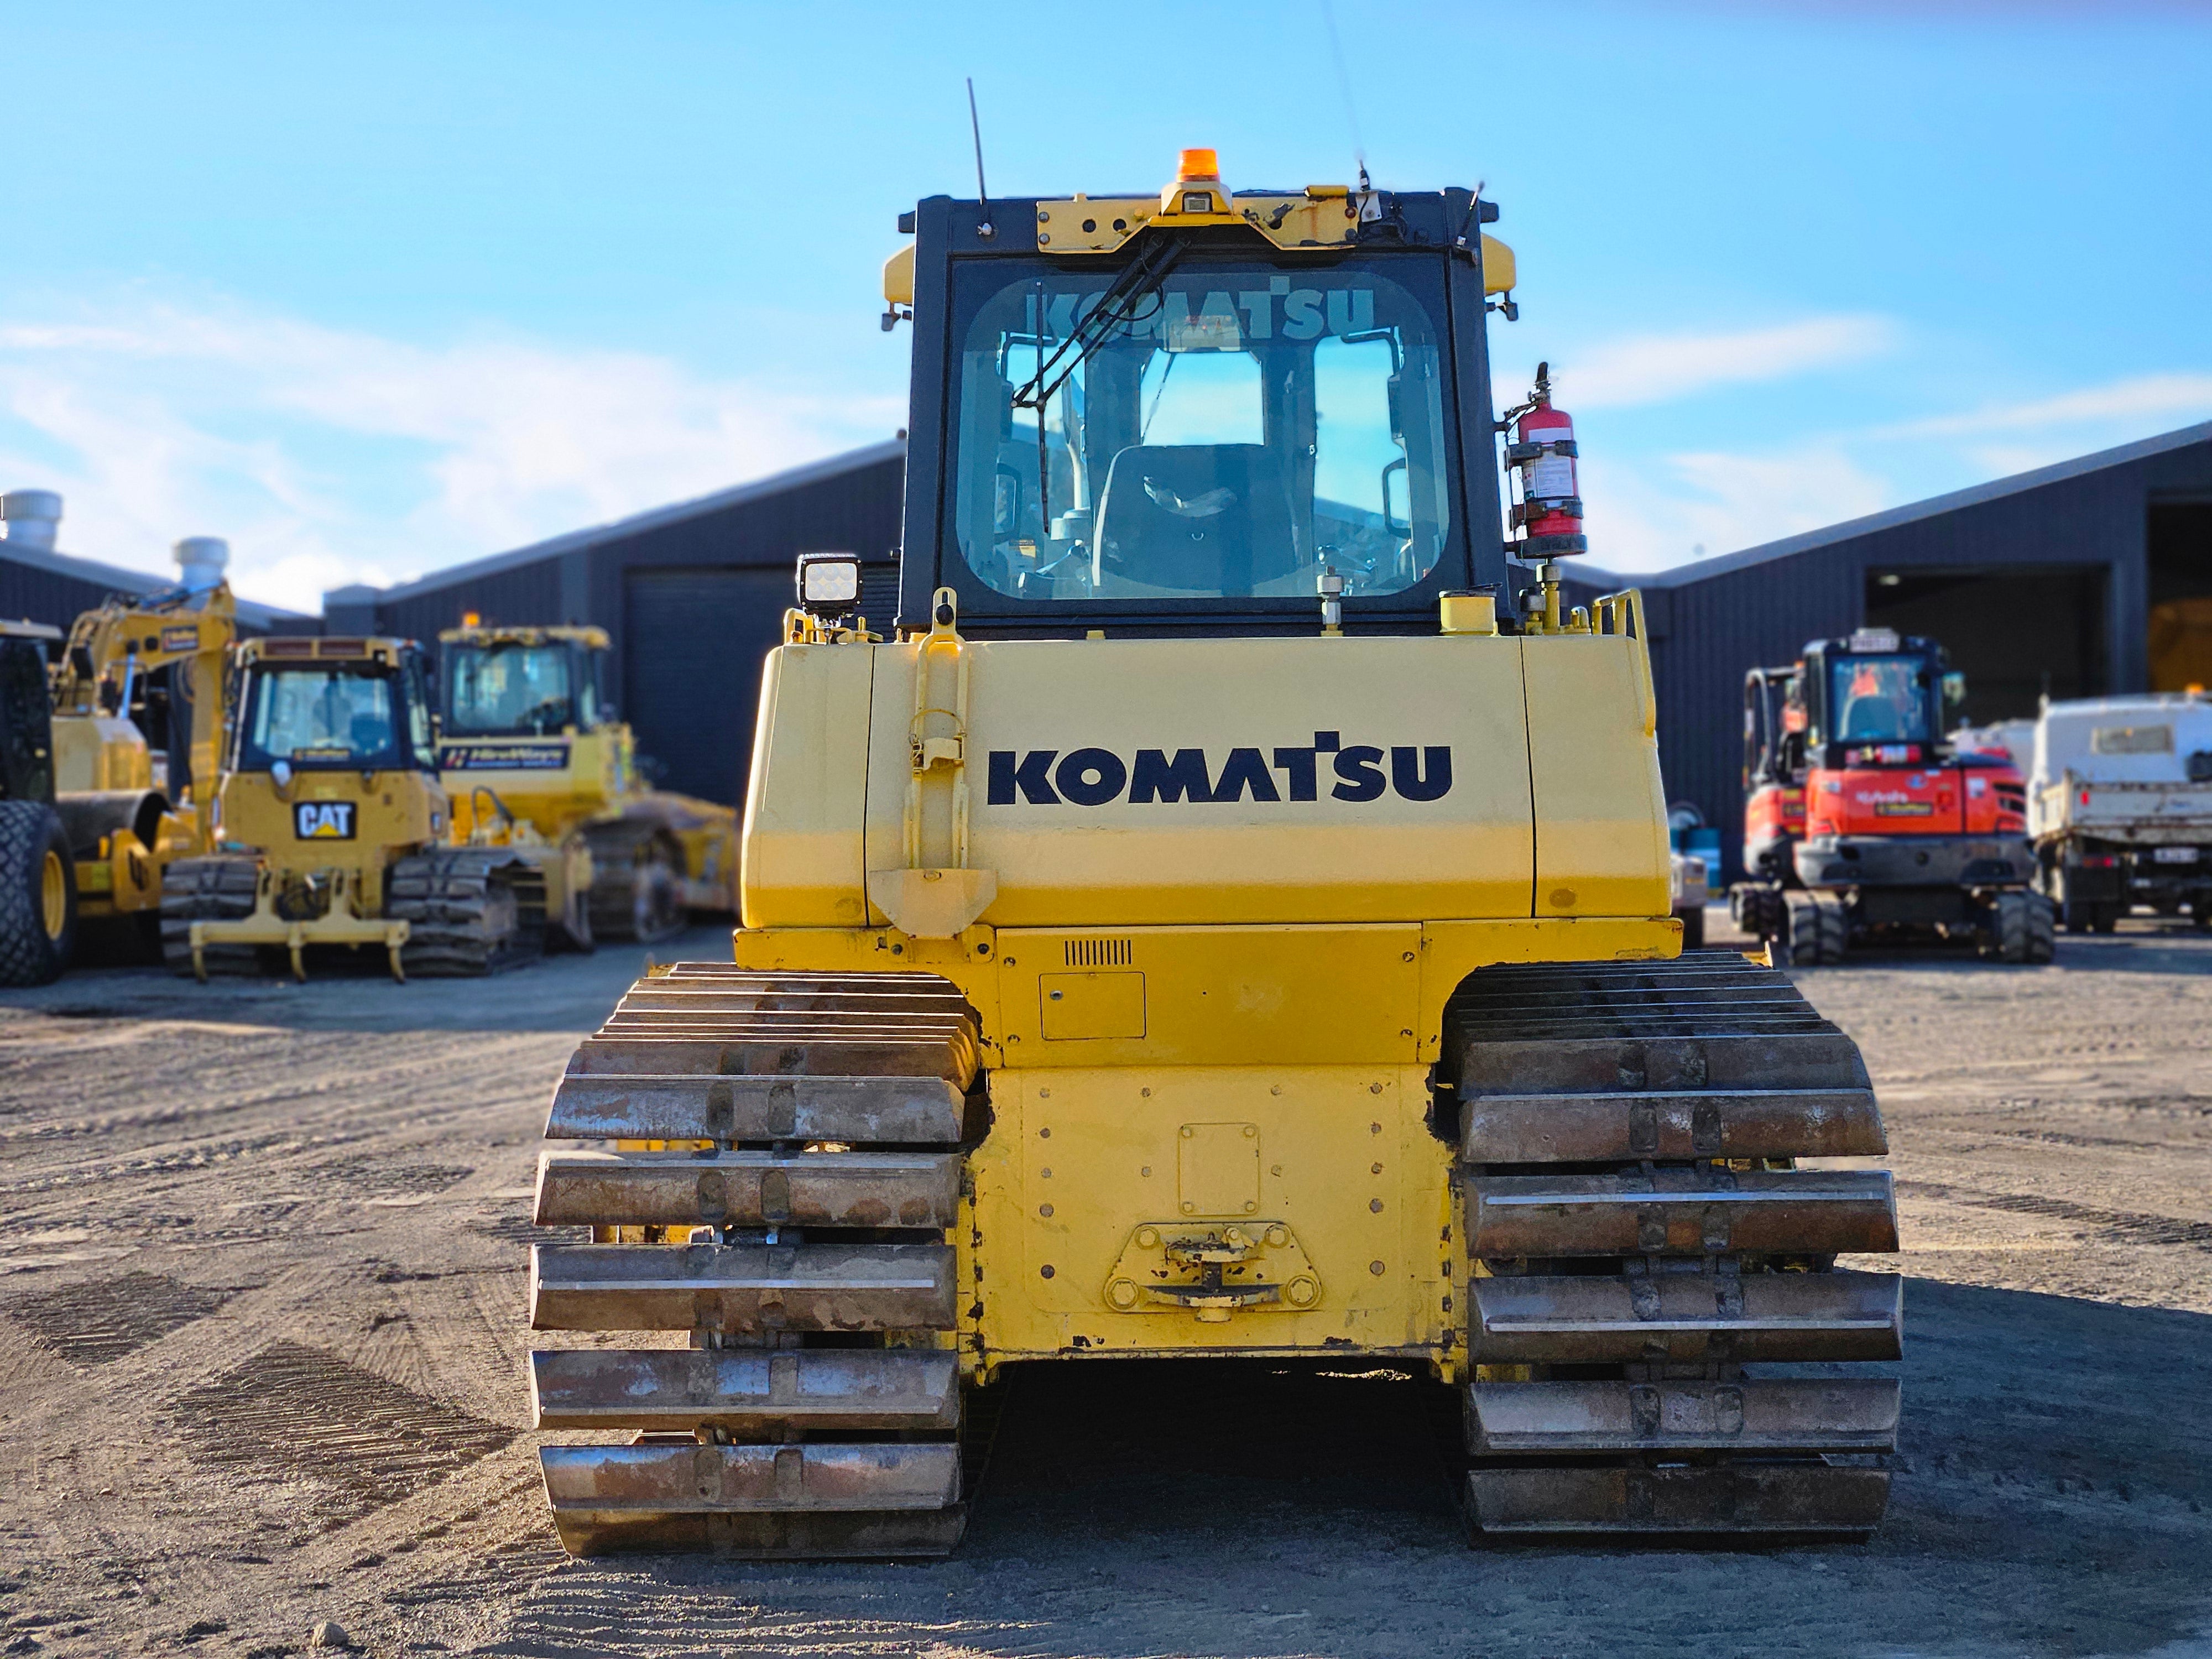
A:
{"x":332,"y":830}
{"x":1227,"y":917}
{"x":531,"y":750}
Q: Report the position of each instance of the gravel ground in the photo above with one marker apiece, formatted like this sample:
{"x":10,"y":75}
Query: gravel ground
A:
{"x":261,"y":1276}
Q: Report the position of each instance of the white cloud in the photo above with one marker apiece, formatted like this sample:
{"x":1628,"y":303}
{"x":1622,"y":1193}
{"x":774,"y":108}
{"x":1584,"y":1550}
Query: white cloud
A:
{"x":1649,"y":514}
{"x":2161,"y":398}
{"x":1654,"y":369}
{"x":1719,"y":503}
{"x":328,"y":456}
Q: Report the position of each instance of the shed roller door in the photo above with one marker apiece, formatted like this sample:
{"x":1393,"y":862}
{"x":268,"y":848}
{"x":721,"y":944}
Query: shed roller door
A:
{"x":693,"y":642}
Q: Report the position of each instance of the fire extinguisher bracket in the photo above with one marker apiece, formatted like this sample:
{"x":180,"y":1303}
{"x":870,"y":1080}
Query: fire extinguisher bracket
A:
{"x":1541,"y":455}
{"x":1549,"y":547}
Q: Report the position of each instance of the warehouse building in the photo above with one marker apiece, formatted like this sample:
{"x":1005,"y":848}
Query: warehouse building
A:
{"x":39,"y":583}
{"x":692,"y":597}
{"x":2091,"y":576}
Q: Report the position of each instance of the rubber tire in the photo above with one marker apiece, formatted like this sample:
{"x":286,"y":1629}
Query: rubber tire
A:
{"x":2042,"y":928}
{"x":1759,"y":910}
{"x":2020,"y":929}
{"x":2106,"y":917}
{"x":1693,"y":928}
{"x":1816,"y":929}
{"x":31,"y":952}
{"x":1835,"y":928}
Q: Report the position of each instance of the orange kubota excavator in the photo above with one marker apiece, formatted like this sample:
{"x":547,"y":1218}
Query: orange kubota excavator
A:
{"x":1863,"y":823}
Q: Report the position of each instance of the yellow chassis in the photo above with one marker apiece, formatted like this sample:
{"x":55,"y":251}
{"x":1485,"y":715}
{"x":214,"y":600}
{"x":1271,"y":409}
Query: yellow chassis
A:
{"x":1272,"y":1079}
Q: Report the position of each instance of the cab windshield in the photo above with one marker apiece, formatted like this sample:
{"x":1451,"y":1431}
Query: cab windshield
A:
{"x":327,"y":715}
{"x":515,"y":689}
{"x":1227,"y":431}
{"x":1879,"y":700}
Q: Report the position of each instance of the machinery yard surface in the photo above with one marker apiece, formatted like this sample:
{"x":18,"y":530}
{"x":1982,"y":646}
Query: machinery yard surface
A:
{"x":263,"y":1280}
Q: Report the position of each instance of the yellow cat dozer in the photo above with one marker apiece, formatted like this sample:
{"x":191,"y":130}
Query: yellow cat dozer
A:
{"x":530,"y":745}
{"x":1226,"y":917}
{"x":332,"y":829}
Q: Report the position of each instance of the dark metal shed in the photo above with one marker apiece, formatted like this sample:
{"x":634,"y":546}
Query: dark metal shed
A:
{"x":2091,"y":576}
{"x":692,"y":597}
{"x":39,"y":585}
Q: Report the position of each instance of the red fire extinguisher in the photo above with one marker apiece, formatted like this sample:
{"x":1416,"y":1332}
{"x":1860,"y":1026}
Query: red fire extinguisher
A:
{"x":1549,"y":514}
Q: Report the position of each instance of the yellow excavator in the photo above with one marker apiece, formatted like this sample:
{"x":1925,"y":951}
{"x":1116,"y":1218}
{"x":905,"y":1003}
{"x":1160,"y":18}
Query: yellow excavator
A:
{"x":532,"y":752}
{"x":126,"y":821}
{"x":1226,"y":917}
{"x":332,"y":829}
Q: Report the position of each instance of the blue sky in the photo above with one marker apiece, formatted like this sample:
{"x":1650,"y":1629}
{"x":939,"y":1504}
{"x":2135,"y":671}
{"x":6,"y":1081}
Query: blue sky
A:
{"x":372,"y":290}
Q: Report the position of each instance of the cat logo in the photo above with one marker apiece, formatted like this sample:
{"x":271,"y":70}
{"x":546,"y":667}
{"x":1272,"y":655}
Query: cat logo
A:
{"x":323,"y":820}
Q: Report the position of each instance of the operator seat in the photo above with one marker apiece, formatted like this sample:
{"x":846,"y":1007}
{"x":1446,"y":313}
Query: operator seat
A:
{"x":1870,"y":720}
{"x":1201,"y":518}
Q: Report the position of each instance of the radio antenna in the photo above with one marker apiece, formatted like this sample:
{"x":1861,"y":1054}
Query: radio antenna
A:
{"x":1344,"y":86}
{"x":985,"y":230}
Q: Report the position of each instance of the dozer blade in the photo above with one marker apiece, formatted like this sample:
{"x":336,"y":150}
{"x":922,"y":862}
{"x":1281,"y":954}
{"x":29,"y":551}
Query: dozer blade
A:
{"x":758,"y":1394}
{"x":1799,"y":1496}
{"x":703,"y":1106}
{"x":766,"y":1502}
{"x":1765,"y":1414}
{"x":745,"y":1289}
{"x":1686,"y":1317}
{"x":1574,"y":1128}
{"x":1682,"y":1212}
{"x":821,"y":1190}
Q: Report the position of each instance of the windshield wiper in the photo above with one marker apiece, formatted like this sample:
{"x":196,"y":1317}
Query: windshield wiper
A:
{"x":1118,"y":305}
{"x":1116,"y":308}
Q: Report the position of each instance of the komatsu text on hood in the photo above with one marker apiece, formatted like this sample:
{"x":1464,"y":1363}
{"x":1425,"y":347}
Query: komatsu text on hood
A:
{"x":1096,"y":777}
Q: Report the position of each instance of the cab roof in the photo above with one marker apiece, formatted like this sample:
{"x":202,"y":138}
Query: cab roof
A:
{"x":593,"y":638}
{"x":293,"y":648}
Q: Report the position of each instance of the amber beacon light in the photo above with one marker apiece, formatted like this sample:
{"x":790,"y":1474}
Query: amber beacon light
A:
{"x":1197,"y":179}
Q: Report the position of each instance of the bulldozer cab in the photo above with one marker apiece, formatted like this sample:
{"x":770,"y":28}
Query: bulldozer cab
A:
{"x":26,"y":732}
{"x":523,"y":682}
{"x":1190,"y":410}
{"x":334,"y":706}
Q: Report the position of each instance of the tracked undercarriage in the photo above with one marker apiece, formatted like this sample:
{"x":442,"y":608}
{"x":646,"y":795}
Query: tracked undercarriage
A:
{"x":1638,"y":1248}
{"x":1645,"y":1246}
{"x":787,"y":1177}
{"x":467,"y":910}
{"x":637,"y":881}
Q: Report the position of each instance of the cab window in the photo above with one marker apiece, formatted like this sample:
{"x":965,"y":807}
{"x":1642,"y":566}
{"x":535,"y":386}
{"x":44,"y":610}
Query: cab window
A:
{"x":1232,"y":432}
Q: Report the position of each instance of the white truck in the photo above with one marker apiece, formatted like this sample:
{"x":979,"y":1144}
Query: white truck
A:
{"x":2119,"y":807}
